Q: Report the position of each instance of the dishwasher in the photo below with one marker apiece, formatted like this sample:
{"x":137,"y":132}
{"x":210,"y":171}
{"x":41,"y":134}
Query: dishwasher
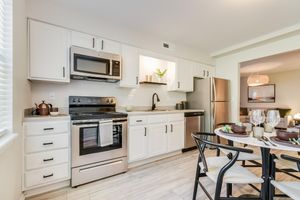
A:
{"x":194,"y":122}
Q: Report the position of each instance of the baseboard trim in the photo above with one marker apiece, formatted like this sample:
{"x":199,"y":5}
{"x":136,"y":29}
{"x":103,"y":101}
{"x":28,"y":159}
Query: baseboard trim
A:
{"x":22,"y":197}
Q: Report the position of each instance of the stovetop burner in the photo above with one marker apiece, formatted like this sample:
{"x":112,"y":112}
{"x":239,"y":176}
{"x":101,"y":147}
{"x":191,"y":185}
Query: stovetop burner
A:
{"x":86,"y":108}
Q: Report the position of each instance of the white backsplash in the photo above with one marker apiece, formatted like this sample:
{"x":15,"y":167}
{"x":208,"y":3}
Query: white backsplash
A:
{"x":57,"y":94}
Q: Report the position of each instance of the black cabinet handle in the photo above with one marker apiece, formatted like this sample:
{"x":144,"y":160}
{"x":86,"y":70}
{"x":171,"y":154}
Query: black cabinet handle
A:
{"x":102,"y":45}
{"x":48,"y":159}
{"x":171,"y":128}
{"x":207,"y":73}
{"x":178,"y":84}
{"x":93,"y":42}
{"x":137,"y":80}
{"x":47,"y":176}
{"x":47,"y":143}
{"x":139,"y":120}
{"x":166,"y":131}
{"x":64,"y":72}
{"x":48,"y":129}
{"x":145,"y":131}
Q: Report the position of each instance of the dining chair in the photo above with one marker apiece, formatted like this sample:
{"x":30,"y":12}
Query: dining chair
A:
{"x":252,"y":157}
{"x":289,"y":188}
{"x":221,"y":169}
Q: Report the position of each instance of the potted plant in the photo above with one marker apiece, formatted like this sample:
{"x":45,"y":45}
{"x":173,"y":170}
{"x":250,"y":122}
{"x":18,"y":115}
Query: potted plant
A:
{"x":160,"y":74}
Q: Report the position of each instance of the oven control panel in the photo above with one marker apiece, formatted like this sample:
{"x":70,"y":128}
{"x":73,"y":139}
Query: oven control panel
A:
{"x":81,"y":100}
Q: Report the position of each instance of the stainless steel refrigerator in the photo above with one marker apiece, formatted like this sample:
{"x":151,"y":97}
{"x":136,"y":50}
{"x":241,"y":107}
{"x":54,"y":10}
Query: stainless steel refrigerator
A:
{"x":211,"y":95}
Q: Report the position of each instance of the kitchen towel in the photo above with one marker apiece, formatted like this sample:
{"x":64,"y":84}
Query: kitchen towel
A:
{"x":106,"y":133}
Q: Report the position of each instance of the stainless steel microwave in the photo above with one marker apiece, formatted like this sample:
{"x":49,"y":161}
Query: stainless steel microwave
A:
{"x":92,"y":65}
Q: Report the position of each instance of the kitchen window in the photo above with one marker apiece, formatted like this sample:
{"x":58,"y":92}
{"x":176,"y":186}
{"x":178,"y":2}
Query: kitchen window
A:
{"x":5,"y":67}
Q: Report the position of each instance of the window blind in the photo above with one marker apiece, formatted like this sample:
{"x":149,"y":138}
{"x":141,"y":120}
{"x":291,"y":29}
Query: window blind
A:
{"x":5,"y":66}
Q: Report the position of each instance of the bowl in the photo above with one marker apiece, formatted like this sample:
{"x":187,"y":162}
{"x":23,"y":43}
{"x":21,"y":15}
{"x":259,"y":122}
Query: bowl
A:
{"x":238,"y":129}
{"x":54,"y":113}
{"x":284,"y":135}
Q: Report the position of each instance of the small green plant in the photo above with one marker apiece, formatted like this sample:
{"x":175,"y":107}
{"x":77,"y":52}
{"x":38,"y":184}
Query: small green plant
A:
{"x":160,"y":73}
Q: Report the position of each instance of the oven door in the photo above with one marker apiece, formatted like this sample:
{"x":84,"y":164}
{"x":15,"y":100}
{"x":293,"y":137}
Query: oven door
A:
{"x":97,"y":141}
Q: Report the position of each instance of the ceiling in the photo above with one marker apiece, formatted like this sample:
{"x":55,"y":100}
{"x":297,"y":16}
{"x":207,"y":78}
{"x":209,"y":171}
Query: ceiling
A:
{"x":206,"y":25}
{"x":272,"y":64}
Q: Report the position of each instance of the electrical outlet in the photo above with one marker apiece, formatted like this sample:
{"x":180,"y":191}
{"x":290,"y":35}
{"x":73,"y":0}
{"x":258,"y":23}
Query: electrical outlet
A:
{"x":51,"y":95}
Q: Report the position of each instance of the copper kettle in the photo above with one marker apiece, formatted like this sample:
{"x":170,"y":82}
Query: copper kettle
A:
{"x":43,"y":108}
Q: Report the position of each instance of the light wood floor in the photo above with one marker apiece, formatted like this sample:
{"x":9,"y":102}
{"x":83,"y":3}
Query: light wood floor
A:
{"x":170,"y":178}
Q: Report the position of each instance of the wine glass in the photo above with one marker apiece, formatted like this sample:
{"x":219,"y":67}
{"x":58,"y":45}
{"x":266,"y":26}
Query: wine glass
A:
{"x":257,"y":117}
{"x":273,"y":118}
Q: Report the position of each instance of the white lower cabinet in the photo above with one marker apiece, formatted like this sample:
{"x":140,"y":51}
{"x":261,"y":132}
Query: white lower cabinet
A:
{"x":157,"y":139}
{"x":159,"y":134}
{"x":137,"y":143}
{"x":175,"y":136}
{"x":46,"y":147}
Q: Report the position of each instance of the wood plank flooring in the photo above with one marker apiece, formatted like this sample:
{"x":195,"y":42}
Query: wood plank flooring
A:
{"x":171,"y":178}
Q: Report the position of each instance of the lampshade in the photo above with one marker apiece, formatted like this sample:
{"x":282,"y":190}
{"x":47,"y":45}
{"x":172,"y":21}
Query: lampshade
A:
{"x":255,"y":80}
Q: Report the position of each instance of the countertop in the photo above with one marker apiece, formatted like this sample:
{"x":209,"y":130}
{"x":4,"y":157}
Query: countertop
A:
{"x":132,"y":113}
{"x":31,"y":118}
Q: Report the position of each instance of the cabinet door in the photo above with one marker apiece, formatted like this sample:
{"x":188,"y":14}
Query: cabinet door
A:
{"x":157,"y":142}
{"x":108,"y":46}
{"x":83,"y":40}
{"x":176,"y":136}
{"x":185,"y":77}
{"x":130,"y":67}
{"x":48,"y":52}
{"x":137,"y":145}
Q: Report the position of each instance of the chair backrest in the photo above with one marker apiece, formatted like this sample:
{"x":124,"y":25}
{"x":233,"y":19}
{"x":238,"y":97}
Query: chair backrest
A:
{"x":201,"y":142}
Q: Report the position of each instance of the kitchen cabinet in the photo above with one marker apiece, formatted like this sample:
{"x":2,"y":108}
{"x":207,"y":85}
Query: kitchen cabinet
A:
{"x":108,"y":46}
{"x":176,"y":136}
{"x":181,"y":77}
{"x":83,"y":40}
{"x":154,"y":135}
{"x":130,"y":67}
{"x":46,"y":152}
{"x":157,"y":139}
{"x":95,"y":43}
{"x":203,"y":71}
{"x":137,"y":143}
{"x":48,"y":52}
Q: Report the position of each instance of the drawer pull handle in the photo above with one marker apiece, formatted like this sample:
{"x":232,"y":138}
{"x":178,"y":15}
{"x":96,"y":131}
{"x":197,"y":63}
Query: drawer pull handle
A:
{"x":48,"y":129}
{"x":47,"y":143}
{"x":47,"y":176}
{"x":139,"y":120}
{"x":49,"y":159}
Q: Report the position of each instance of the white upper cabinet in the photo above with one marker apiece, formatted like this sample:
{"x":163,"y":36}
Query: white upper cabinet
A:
{"x":96,"y":43}
{"x":203,"y":71}
{"x":180,"y":78}
{"x":83,"y":40}
{"x":130,"y":67}
{"x":48,"y":52}
{"x":108,"y":46}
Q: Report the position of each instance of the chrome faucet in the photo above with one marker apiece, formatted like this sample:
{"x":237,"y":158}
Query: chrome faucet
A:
{"x":157,"y":99}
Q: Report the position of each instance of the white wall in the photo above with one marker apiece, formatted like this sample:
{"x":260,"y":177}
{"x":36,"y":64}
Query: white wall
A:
{"x":137,"y":97}
{"x":10,"y":159}
{"x":287,"y":95}
{"x":227,"y":66}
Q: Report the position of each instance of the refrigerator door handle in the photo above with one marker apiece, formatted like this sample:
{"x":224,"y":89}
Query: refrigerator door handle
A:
{"x":213,"y":117}
{"x":213,"y":90}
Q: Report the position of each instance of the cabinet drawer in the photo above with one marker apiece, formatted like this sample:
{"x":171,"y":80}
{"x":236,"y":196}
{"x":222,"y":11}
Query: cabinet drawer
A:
{"x":138,"y":120}
{"x":176,"y":117}
{"x":160,"y":118}
{"x":46,"y":175}
{"x":40,"y":128}
{"x":47,"y":142}
{"x":46,"y":159}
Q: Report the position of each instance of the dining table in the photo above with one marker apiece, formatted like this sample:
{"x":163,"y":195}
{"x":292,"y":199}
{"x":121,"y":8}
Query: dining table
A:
{"x":265,"y":148}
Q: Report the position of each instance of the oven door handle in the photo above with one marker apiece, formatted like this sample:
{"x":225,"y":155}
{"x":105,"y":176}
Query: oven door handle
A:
{"x":86,"y":125}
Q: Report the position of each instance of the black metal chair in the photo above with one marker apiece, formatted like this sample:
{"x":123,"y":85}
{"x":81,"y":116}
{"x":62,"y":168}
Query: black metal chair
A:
{"x":221,"y":169}
{"x":289,"y":188}
{"x":252,"y":158}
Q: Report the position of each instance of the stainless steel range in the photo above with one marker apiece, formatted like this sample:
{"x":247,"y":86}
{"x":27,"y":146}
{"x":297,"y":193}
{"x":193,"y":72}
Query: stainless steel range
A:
{"x":99,"y":139}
